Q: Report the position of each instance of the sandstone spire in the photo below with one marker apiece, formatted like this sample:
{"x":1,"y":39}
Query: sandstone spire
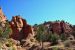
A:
{"x":1,"y":13}
{"x":2,"y":16}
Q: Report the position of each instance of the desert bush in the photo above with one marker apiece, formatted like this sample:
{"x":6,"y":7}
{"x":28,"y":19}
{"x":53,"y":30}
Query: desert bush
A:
{"x":54,"y":39}
{"x":63,"y":37}
{"x":5,"y":31}
{"x":40,"y":36}
{"x":54,"y":48}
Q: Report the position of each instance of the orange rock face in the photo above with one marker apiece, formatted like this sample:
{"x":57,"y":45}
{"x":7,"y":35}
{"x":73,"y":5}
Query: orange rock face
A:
{"x":20,"y":28}
{"x":2,"y":16}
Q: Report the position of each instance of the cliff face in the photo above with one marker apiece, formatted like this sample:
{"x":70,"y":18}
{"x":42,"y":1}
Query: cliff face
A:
{"x":61,"y":27}
{"x":57,"y":27}
{"x":20,"y":28}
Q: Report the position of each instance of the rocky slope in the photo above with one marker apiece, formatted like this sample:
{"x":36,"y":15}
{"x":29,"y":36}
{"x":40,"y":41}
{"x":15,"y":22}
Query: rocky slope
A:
{"x":20,"y":31}
{"x":58,"y":27}
{"x":22,"y":35}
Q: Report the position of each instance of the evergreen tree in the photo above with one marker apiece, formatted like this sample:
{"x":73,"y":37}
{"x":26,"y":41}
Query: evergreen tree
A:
{"x":41,"y":35}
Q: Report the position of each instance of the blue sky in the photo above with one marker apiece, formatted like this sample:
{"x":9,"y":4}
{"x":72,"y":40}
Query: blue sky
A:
{"x":38,"y":11}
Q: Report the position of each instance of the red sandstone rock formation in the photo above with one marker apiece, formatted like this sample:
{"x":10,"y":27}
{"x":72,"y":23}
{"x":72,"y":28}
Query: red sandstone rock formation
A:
{"x":61,"y":27}
{"x":58,"y":27}
{"x":2,"y":18}
{"x":20,"y":28}
{"x":66,"y":27}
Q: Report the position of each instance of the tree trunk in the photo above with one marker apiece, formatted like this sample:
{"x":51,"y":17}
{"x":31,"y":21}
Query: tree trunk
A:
{"x":42,"y":46}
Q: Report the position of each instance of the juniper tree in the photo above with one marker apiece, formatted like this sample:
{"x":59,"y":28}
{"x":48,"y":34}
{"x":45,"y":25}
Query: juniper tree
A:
{"x":40,"y":36}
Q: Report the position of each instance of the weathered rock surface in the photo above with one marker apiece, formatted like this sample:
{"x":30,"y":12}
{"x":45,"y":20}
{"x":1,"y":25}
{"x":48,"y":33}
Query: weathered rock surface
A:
{"x":58,"y":27}
{"x":20,"y":28}
{"x":2,"y":18}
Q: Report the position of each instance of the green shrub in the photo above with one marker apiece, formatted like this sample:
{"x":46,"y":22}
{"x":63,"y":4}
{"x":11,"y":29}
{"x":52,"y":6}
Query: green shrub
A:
{"x":5,"y":31}
{"x":54,"y":48}
{"x":63,"y":37}
{"x":54,"y":39}
{"x":40,"y":33}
